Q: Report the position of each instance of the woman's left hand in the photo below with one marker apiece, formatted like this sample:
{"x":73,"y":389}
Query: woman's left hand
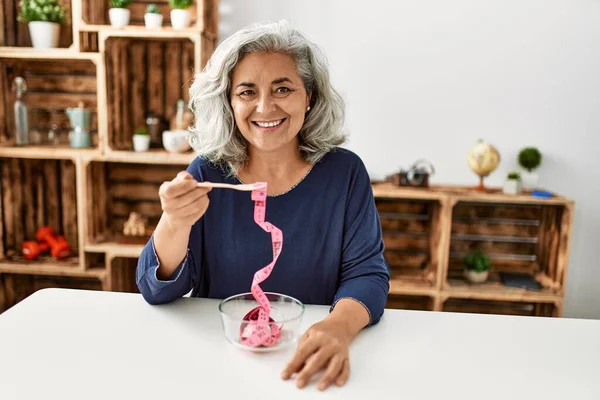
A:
{"x":323,"y":346}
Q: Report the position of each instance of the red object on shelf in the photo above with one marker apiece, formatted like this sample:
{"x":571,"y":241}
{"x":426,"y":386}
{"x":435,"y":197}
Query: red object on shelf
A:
{"x":31,"y":249}
{"x":59,"y":247}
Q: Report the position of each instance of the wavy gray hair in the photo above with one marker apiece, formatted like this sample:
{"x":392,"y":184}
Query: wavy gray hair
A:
{"x":215,"y":135}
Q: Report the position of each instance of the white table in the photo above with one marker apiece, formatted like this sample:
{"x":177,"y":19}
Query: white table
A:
{"x":66,"y":344}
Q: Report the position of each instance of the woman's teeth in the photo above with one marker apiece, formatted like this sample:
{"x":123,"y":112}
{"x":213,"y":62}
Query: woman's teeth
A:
{"x":269,"y":124}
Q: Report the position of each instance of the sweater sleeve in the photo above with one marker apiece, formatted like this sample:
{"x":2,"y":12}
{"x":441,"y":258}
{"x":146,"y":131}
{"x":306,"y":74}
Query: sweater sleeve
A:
{"x":364,"y":273}
{"x":183,"y":279}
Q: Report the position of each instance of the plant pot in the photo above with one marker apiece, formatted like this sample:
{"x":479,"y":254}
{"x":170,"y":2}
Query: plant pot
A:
{"x":119,"y":17}
{"x":512,"y":186}
{"x":180,"y":19}
{"x":475,"y":277}
{"x":529,"y":180}
{"x":141,"y":143}
{"x":153,"y":21}
{"x":44,"y":35}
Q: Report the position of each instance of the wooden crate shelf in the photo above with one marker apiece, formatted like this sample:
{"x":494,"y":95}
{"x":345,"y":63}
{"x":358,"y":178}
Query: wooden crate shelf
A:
{"x":121,"y":189}
{"x":521,"y":234}
{"x":54,"y":184}
{"x":145,"y":75}
{"x":530,"y":308}
{"x":37,"y":193}
{"x":53,"y":85}
{"x":411,"y":302}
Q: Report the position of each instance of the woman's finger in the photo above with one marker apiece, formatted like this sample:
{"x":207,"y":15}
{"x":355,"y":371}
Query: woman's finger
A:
{"x":343,"y":377}
{"x":172,"y":205}
{"x":314,"y":365}
{"x":191,"y":209}
{"x":333,"y":370}
{"x":305,"y":350}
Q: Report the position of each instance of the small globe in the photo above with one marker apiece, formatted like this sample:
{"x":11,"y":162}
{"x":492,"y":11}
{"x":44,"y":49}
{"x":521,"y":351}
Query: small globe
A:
{"x":483,"y":159}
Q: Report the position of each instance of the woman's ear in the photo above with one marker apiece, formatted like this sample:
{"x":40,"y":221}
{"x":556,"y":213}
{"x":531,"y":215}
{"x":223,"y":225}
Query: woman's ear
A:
{"x":308,"y":98}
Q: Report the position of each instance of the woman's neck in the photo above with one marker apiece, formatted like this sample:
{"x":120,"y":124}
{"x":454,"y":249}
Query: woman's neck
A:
{"x":282,"y":169}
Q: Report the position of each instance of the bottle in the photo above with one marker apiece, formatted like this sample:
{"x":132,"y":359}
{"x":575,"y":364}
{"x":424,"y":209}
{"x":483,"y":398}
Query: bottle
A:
{"x":21,"y":120}
{"x":183,"y":117}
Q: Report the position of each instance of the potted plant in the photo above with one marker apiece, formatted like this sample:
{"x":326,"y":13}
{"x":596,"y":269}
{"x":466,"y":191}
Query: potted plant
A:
{"x":513,"y":183}
{"x":119,"y":14}
{"x":44,"y":18}
{"x":141,"y":140}
{"x":181,"y":17}
{"x":476,"y":266}
{"x":530,"y":159}
{"x":153,"y":18}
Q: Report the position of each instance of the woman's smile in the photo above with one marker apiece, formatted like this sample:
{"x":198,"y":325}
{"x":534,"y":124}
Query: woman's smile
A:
{"x":269,"y":126}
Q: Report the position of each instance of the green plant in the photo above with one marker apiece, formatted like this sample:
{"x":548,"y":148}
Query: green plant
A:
{"x":180,"y":4}
{"x":120,"y":3}
{"x":477,"y":261}
{"x":152,"y":9}
{"x":514,"y":175}
{"x":41,"y":10}
{"x":530,"y":158}
{"x":141,"y":131}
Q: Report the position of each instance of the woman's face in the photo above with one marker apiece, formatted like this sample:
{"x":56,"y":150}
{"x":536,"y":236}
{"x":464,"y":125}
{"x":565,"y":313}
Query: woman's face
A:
{"x":268,"y":100}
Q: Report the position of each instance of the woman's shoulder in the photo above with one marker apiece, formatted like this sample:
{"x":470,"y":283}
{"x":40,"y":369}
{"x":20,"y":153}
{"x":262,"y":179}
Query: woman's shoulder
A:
{"x":343,"y":161}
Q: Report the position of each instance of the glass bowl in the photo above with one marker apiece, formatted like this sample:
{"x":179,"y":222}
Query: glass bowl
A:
{"x":286,"y":313}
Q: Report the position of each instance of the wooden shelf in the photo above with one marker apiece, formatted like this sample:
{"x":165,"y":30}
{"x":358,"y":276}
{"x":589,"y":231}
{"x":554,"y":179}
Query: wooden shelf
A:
{"x":492,"y":290}
{"x":152,"y":156}
{"x":61,"y":152}
{"x":50,"y":267}
{"x":48,"y":54}
{"x":116,"y":249}
{"x":400,"y":286}
{"x":132,"y":31}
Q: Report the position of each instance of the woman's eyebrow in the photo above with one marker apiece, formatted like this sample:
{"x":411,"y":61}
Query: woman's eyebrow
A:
{"x":249,"y":84}
{"x":280,"y":80}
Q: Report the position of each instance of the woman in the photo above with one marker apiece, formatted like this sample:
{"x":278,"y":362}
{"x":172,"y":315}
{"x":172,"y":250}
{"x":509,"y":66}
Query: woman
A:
{"x":265,"y":111}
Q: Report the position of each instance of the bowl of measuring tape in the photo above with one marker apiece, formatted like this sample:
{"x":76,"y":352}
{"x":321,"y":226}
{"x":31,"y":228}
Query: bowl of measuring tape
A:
{"x":270,"y":324}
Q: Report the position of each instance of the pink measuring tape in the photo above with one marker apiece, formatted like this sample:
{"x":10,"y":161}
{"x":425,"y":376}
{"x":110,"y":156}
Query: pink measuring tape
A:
{"x":260,"y":329}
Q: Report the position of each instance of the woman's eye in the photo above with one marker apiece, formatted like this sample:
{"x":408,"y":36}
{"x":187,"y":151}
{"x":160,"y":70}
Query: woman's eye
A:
{"x":283,"y":89}
{"x":246,"y":93}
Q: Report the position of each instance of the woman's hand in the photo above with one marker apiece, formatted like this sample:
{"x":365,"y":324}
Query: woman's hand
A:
{"x":325,"y":345}
{"x":183,"y":203}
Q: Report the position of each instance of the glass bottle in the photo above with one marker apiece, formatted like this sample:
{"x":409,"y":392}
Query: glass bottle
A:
{"x":21,"y":120}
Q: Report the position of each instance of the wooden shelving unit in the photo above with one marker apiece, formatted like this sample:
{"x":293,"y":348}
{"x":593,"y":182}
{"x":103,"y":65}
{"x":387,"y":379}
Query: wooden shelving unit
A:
{"x":428,"y":231}
{"x":86,"y":194}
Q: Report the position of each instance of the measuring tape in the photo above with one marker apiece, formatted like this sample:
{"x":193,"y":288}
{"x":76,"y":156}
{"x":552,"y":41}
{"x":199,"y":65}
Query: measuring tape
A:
{"x":260,"y":330}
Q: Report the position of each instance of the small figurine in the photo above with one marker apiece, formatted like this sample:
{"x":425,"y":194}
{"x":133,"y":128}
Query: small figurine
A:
{"x":135,"y":225}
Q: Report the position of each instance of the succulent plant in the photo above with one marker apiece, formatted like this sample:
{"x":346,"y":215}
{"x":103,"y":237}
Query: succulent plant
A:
{"x":152,"y":9}
{"x":477,"y":261}
{"x":180,"y":4}
{"x":41,"y":10}
{"x":120,"y":3}
{"x":514,"y":175}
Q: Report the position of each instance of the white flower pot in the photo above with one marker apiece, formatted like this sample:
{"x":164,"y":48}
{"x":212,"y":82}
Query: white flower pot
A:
{"x":475,"y":277}
{"x":512,"y":186}
{"x":44,"y":34}
{"x":180,"y":19}
{"x":119,"y":17}
{"x":153,"y":21}
{"x":141,"y":142}
{"x":529,"y":180}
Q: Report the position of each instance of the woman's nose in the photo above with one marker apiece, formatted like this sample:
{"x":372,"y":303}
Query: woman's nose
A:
{"x":265,"y":104}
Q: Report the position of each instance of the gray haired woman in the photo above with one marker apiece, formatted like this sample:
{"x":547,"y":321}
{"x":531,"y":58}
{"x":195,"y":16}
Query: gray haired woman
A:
{"x":265,"y":111}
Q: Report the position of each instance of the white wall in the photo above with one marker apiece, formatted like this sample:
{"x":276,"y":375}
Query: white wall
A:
{"x":422,"y":77}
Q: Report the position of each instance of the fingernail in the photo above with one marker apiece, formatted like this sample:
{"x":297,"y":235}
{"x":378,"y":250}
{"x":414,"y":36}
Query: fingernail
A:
{"x":284,"y":375}
{"x":301,"y":383}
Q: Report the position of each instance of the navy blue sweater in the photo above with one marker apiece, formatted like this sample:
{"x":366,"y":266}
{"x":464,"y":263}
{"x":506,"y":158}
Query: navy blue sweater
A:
{"x":332,"y":242}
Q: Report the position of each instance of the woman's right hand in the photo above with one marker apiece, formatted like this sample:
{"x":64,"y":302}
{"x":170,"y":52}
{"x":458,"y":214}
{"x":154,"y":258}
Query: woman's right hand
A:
{"x":183,"y":203}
